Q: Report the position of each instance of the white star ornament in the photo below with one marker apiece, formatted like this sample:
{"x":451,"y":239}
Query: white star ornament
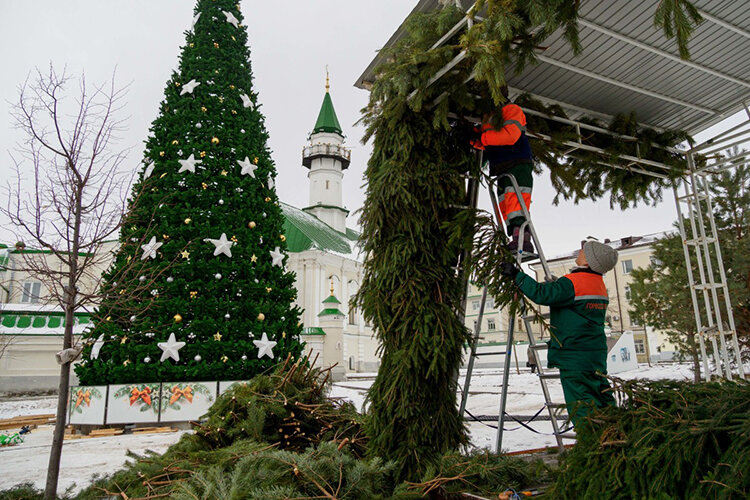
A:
{"x":231,"y":19}
{"x":189,"y":164}
{"x":223,"y":245}
{"x":171,"y":348}
{"x":277,"y":257}
{"x":248,"y":168}
{"x":189,"y":87}
{"x":265,"y":346}
{"x":150,"y":248}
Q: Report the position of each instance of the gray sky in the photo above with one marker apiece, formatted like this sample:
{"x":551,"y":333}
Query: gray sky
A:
{"x":291,"y":42}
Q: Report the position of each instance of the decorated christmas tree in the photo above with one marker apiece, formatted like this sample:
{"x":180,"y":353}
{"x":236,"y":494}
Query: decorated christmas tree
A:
{"x":198,"y":289}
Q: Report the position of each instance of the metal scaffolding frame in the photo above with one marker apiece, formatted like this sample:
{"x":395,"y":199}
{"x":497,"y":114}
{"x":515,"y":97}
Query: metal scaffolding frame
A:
{"x":694,"y":205}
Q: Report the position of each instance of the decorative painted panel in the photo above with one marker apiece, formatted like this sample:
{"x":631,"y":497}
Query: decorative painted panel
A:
{"x":184,"y":401}
{"x":133,"y":403}
{"x":225,"y":385}
{"x":87,"y":405}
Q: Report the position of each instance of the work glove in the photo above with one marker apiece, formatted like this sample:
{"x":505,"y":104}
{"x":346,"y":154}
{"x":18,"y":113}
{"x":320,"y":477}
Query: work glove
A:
{"x":476,"y":142}
{"x":509,"y":270}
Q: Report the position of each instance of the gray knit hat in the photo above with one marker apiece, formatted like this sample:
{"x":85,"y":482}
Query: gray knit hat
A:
{"x":601,"y":257}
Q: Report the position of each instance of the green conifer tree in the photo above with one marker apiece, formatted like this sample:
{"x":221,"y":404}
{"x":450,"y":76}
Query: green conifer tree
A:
{"x":203,"y":243}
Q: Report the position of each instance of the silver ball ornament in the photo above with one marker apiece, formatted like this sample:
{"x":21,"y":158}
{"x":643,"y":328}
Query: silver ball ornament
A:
{"x":170,"y":279}
{"x":197,"y":357}
{"x":226,"y":316}
{"x":217,"y":276}
{"x":146,"y":359}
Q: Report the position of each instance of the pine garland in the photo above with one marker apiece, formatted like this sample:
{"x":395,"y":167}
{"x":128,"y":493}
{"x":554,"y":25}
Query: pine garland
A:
{"x":669,"y":440}
{"x":413,"y":227}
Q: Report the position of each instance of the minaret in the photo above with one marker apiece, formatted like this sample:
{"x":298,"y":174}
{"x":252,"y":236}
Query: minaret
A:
{"x":327,"y":158}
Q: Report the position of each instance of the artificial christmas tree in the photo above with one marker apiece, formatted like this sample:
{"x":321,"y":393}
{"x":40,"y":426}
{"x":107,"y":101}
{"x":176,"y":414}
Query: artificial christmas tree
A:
{"x":210,"y":298}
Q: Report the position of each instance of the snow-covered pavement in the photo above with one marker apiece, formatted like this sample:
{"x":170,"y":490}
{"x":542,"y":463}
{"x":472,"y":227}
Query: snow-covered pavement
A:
{"x":82,"y":459}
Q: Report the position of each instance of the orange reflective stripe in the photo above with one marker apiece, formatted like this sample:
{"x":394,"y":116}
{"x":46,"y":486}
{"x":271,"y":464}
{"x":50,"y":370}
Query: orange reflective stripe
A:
{"x":509,"y":203}
{"x":588,"y":285}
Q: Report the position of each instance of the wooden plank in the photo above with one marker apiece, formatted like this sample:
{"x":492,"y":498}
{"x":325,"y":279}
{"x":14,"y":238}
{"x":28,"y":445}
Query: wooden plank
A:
{"x":155,"y":430}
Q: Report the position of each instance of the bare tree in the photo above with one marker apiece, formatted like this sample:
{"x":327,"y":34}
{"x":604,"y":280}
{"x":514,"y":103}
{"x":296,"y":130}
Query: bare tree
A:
{"x":69,"y":198}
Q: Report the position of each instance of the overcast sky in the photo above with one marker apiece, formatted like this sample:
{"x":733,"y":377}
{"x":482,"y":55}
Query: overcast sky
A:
{"x":291,"y":43}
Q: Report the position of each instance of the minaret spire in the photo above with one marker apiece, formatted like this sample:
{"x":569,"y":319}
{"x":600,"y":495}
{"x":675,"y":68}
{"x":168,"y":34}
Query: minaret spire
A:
{"x":328,"y":81}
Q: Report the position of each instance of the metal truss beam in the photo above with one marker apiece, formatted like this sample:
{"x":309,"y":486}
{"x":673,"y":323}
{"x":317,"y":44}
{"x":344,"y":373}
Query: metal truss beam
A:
{"x":626,"y":86}
{"x":724,"y":24}
{"x":662,"y":53}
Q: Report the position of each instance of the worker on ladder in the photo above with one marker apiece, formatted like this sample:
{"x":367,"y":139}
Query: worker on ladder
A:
{"x":578,"y":306}
{"x":508,"y":151}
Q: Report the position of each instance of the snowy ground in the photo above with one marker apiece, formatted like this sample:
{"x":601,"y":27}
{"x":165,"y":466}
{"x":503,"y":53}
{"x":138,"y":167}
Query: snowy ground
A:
{"x":81,"y":459}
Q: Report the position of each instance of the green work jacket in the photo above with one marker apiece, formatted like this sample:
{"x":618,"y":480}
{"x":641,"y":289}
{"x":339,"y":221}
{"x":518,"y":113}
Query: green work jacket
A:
{"x":578,"y":306}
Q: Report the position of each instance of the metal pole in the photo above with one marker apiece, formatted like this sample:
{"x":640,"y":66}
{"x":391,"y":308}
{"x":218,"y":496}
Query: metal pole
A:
{"x":470,"y":367}
{"x":506,"y":374}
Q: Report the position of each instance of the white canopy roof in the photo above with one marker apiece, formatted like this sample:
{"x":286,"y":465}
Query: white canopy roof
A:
{"x":627,"y":65}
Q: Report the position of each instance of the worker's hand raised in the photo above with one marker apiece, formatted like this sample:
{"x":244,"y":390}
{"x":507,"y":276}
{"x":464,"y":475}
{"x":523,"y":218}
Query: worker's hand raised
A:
{"x":509,"y":270}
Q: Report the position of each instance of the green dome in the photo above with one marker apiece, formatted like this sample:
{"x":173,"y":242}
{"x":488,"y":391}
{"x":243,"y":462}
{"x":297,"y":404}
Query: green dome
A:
{"x":327,"y":120}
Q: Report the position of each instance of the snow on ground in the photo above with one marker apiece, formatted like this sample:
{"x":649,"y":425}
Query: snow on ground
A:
{"x":83,"y":458}
{"x":28,"y":406}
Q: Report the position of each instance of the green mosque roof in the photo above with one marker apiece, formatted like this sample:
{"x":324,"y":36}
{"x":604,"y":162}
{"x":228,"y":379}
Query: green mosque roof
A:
{"x":304,"y":231}
{"x":327,"y":119}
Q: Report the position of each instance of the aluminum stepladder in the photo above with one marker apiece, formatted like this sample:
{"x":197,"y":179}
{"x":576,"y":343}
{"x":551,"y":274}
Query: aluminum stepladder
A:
{"x":554,"y":409}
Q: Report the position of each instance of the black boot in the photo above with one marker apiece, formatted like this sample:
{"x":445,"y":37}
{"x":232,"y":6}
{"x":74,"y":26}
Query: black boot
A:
{"x":513,"y":245}
{"x":528,"y":245}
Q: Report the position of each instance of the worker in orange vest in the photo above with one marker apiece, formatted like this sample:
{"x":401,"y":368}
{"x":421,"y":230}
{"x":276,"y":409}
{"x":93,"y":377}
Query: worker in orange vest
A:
{"x":508,"y":151}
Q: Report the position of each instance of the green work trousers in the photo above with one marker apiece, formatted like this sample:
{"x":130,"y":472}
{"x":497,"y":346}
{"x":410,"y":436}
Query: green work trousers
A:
{"x":585,"y":390}
{"x":509,"y":204}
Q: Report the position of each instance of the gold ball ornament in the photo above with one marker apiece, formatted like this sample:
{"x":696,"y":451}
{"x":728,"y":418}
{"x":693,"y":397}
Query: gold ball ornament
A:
{"x":261,"y":317}
{"x":282,"y":237}
{"x":216,"y":45}
{"x":214,"y":140}
{"x":177,"y":318}
{"x":251,"y":224}
{"x":268,"y":199}
{"x":161,"y":153}
{"x":224,"y":359}
{"x":231,"y":87}
{"x":175,"y":142}
{"x":165,"y":236}
{"x":234,"y":111}
{"x":126,"y":362}
{"x":188,"y":220}
{"x":204,"y":109}
{"x":192,"y":45}
{"x":177,"y":84}
{"x":204,"y":185}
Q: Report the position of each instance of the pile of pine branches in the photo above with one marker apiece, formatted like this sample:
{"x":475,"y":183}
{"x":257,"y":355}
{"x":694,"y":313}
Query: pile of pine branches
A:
{"x":668,"y":440}
{"x":281,"y":437}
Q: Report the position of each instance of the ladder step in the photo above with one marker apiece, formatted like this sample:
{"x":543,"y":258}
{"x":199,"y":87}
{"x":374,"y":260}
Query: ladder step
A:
{"x":490,"y":353}
{"x":700,"y":241}
{"x":534,"y":316}
{"x":568,"y":435}
{"x":708,"y":286}
{"x":540,"y":346}
{"x":526,"y":256}
{"x":559,"y":406}
{"x":549,"y":376}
